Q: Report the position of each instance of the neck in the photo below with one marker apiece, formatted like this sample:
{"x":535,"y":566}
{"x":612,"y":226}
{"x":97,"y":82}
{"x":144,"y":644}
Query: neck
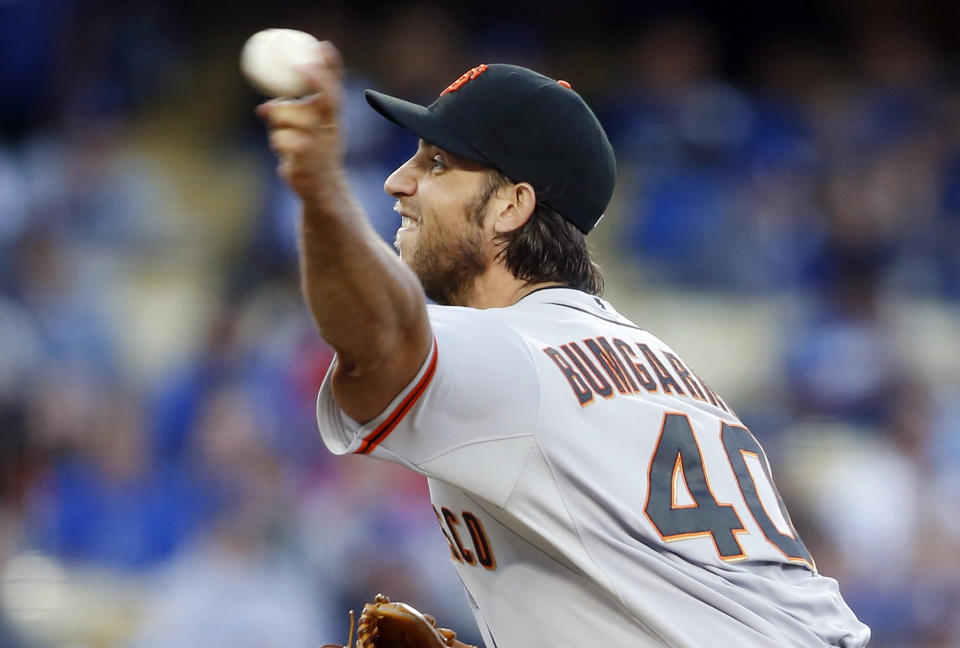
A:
{"x":498,"y":288}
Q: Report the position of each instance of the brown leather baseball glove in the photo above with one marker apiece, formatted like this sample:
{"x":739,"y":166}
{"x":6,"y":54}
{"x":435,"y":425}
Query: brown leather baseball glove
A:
{"x":384,"y":624}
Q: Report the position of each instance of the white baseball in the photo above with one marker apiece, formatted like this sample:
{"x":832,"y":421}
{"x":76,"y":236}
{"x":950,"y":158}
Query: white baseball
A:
{"x":269,"y":60}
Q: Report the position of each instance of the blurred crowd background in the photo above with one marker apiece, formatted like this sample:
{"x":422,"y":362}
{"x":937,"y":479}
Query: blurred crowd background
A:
{"x":787,"y":217}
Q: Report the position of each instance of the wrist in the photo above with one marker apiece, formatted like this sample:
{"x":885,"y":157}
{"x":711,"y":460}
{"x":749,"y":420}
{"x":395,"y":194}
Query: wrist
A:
{"x":328,"y":194}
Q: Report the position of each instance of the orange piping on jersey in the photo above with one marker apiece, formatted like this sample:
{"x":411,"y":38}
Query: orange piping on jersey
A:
{"x":452,"y":521}
{"x":685,"y":377}
{"x":480,"y":541}
{"x":678,"y":467}
{"x":666,"y":380}
{"x":706,"y":478}
{"x":580,"y":390}
{"x":443,"y":529}
{"x":639,"y":371}
{"x":594,"y":378}
{"x":610,"y":362}
{"x":383,"y":430}
{"x":745,"y":454}
{"x":765,"y":466}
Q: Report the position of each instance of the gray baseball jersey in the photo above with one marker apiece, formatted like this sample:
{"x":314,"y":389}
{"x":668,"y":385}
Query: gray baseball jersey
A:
{"x":593,"y":489}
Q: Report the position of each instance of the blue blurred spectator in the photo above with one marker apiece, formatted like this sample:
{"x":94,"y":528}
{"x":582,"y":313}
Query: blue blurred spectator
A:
{"x":29,"y":32}
{"x":681,"y":135}
{"x":240,"y":584}
{"x":105,"y":499}
{"x":842,"y":363}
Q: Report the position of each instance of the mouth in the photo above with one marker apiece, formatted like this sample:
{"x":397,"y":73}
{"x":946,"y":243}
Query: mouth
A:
{"x":407,"y":220}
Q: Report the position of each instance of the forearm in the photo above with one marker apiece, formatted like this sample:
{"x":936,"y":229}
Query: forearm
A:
{"x":367,"y":305}
{"x":365,"y":301}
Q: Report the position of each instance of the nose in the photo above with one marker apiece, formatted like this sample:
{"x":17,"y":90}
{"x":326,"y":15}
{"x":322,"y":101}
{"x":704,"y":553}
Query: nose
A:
{"x":401,"y":182}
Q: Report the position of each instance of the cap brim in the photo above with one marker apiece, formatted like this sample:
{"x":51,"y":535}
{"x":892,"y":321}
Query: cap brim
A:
{"x":421,"y":122}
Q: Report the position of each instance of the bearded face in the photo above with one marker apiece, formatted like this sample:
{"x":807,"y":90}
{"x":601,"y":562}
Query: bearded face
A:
{"x":448,"y":260}
{"x":441,"y":238}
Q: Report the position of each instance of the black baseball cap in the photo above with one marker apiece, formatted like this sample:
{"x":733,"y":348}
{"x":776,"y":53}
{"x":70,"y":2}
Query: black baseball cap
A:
{"x":528,"y":126}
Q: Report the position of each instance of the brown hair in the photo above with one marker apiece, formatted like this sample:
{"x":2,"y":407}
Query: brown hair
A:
{"x":547,"y":248}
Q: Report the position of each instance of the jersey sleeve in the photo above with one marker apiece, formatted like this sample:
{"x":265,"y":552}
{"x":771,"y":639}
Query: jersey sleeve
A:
{"x":467,"y":417}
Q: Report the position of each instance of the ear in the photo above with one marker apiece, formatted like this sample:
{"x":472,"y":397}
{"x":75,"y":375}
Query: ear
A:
{"x":519,"y":201}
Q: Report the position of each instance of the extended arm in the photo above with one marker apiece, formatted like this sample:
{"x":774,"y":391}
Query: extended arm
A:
{"x":366,"y":303}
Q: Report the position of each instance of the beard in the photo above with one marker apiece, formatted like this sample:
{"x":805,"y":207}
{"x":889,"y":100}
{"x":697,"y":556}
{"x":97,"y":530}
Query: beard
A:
{"x":448,"y":263}
{"x":448,"y":259}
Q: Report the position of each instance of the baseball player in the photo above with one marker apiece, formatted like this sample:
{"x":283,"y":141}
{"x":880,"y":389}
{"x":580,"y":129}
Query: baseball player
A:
{"x":594,"y":490}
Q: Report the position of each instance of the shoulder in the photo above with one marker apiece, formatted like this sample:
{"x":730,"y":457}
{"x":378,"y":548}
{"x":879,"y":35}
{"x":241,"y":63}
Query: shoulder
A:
{"x":471,"y":331}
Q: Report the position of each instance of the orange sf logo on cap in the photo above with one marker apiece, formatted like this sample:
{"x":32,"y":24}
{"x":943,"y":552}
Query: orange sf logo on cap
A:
{"x":469,"y":75}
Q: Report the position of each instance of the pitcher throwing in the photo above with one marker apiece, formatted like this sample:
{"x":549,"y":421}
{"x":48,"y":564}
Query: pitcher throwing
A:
{"x":594,"y":490}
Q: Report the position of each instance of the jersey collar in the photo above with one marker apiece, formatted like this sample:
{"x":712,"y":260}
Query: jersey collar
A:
{"x":567,"y":296}
{"x":577,"y":299}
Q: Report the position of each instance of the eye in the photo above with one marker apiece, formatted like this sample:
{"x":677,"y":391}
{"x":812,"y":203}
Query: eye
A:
{"x":437,"y":163}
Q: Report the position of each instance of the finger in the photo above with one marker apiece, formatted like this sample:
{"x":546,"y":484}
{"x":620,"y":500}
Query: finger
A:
{"x":288,"y":114}
{"x":290,"y":143}
{"x":264,"y":110}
